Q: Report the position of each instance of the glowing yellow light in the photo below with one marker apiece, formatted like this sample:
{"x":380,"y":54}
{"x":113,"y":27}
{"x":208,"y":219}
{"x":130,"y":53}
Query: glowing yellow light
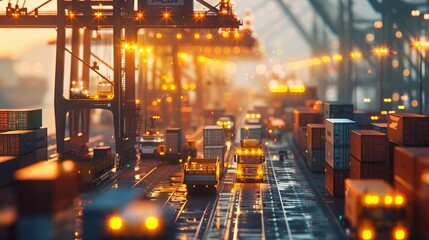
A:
{"x":164,"y":87}
{"x":356,"y":55}
{"x":338,"y":57}
{"x":239,"y":172}
{"x":98,"y":14}
{"x":388,"y":200}
{"x":399,"y":200}
{"x":402,"y":107}
{"x":368,"y":199}
{"x":159,"y":35}
{"x":209,"y":36}
{"x":166,"y":15}
{"x":151,"y":223}
{"x":366,"y":234}
{"x":154,"y":103}
{"x":381,"y":51}
{"x":400,"y":233}
{"x":367,"y":100}
{"x":260,"y":172}
{"x":173,"y":87}
{"x":225,"y":34}
{"x":197,"y":36}
{"x":169,"y":99}
{"x":179,"y":36}
{"x":115,"y":223}
{"x":192,"y":86}
{"x":236,"y":34}
{"x":139,"y":15}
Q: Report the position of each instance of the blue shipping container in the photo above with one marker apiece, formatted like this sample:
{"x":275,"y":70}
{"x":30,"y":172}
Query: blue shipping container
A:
{"x":337,"y":157}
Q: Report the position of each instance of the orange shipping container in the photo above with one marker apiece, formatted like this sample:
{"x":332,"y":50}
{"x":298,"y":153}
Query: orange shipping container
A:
{"x":409,"y":129}
{"x":315,"y":136}
{"x":368,"y":145}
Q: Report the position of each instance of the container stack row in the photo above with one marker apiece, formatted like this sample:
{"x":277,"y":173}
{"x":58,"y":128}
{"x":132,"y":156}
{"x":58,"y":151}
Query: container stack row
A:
{"x":302,"y":117}
{"x":368,"y":155}
{"x":214,"y":142}
{"x":337,"y":154}
{"x":22,"y":141}
{"x":315,"y":147}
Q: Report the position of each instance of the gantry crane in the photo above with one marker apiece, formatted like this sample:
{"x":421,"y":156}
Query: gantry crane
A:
{"x":124,"y":20}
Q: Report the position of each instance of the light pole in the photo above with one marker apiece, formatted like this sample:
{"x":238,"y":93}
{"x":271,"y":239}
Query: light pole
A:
{"x":421,"y":46}
{"x":381,"y":52}
{"x":355,"y":56}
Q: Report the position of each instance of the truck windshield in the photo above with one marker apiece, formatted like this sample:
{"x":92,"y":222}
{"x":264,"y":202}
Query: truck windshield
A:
{"x":250,"y":159}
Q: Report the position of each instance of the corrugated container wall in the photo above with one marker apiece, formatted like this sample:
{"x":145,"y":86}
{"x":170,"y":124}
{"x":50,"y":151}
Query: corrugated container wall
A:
{"x":251,"y":131}
{"x":368,"y":145}
{"x":214,"y":152}
{"x":24,"y":119}
{"x":365,"y":170}
{"x":334,"y":180}
{"x":362,"y":118}
{"x":409,"y":129}
{"x":315,"y":136}
{"x":102,"y":151}
{"x":338,"y":131}
{"x":304,"y":116}
{"x":213,"y":135}
{"x":337,"y":110}
{"x":17,"y":142}
{"x":405,"y":160}
{"x":337,"y":157}
{"x":173,"y":140}
{"x":41,"y":137}
{"x":315,"y":159}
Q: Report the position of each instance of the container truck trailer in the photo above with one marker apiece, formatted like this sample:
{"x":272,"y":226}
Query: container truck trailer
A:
{"x":250,"y":158}
{"x":202,"y":172}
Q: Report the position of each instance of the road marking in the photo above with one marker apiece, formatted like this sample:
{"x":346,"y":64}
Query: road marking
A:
{"x":141,"y":179}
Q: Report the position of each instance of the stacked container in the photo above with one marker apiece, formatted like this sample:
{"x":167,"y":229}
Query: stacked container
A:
{"x":213,"y":143}
{"x":302,"y":117}
{"x":362,"y":118}
{"x":22,"y":142}
{"x":337,"y":153}
{"x":405,"y":129}
{"x":368,"y":154}
{"x":251,"y":131}
{"x":315,"y":149}
{"x":380,"y":127}
{"x":337,"y":110}
{"x":411,"y":173}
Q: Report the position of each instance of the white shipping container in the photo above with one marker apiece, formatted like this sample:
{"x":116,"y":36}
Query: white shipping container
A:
{"x":251,"y":131}
{"x":213,"y":135}
{"x":337,"y":157}
{"x":337,"y":131}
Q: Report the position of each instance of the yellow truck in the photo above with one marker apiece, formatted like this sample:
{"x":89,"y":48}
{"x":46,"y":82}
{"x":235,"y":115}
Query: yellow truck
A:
{"x":202,"y":172}
{"x":375,"y":210}
{"x":250,"y":159}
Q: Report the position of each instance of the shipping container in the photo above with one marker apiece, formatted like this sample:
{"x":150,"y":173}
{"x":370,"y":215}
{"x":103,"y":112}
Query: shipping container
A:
{"x":422,"y":176}
{"x":178,"y":7}
{"x":299,"y":136}
{"x":337,"y":157}
{"x":46,"y":188}
{"x":173,"y":140}
{"x":4,"y":120}
{"x":380,"y":127}
{"x":21,"y":119}
{"x":41,"y":137}
{"x":42,"y":154}
{"x":372,"y":205}
{"x":213,"y":135}
{"x":337,"y":110}
{"x":102,"y":151}
{"x":304,"y":116}
{"x":8,"y":165}
{"x":337,"y":131}
{"x":288,"y":117}
{"x":409,"y":129}
{"x":405,"y":165}
{"x":368,"y":145}
{"x":14,"y":143}
{"x":368,"y":170}
{"x":315,"y":136}
{"x":362,"y":118}
{"x":215,"y":152}
{"x":251,"y":131}
{"x":315,"y":159}
{"x":28,"y":159}
{"x":334,"y":180}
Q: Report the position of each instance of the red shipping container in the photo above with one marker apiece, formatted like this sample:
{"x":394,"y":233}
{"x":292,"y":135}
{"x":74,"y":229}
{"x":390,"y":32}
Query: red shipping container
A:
{"x":14,"y":143}
{"x":405,"y":164}
{"x":409,"y":129}
{"x":316,"y":136}
{"x":368,"y":145}
{"x":4,"y":120}
{"x":299,"y":136}
{"x":367,"y":170}
{"x":304,"y":116}
{"x":334,"y":180}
